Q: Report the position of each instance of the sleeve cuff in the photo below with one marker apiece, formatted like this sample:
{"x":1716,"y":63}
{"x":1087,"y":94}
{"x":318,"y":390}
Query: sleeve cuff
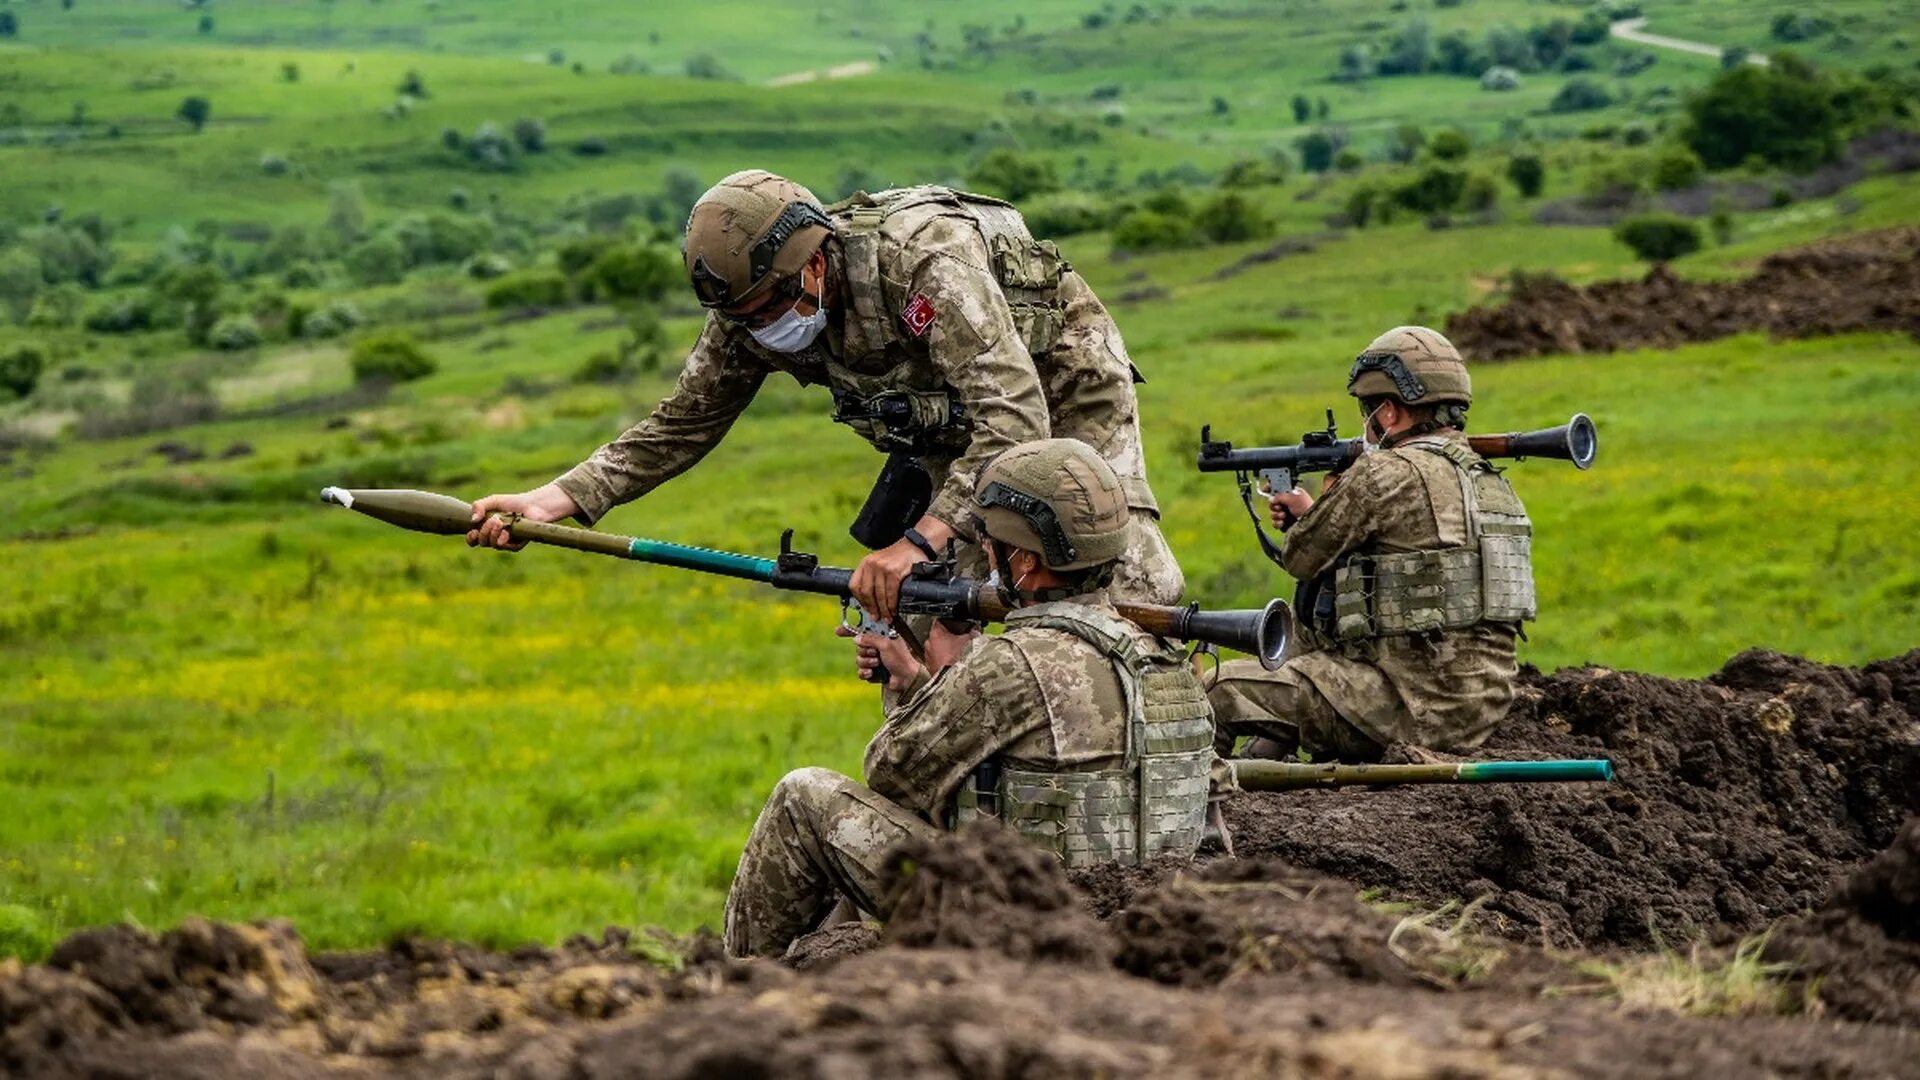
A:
{"x":586,"y":494}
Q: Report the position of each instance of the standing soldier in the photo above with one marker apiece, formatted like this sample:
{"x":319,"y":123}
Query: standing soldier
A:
{"x":1415,"y":571}
{"x":946,"y":334}
{"x":1075,"y":727}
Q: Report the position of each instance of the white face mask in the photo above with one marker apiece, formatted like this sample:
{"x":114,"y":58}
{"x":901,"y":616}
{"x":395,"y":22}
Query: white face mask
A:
{"x":1366,"y":433}
{"x":792,"y":331}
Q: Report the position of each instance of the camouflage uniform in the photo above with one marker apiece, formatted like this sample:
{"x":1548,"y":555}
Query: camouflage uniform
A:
{"x":943,"y":295}
{"x":1443,"y":689}
{"x":1094,"y":734}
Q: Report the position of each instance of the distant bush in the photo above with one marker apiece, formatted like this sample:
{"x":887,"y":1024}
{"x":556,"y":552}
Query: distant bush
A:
{"x":235,"y":333}
{"x":119,"y":315}
{"x":157,"y":402}
{"x":1659,"y":237}
{"x":1676,"y":168}
{"x":1580,"y":95}
{"x":1450,"y":145}
{"x":20,"y":368}
{"x":486,"y":266}
{"x":1151,"y":230}
{"x":391,"y":357}
{"x":490,"y":146}
{"x":1480,"y":194}
{"x":378,"y":260}
{"x":1432,"y":189}
{"x":9,"y":25}
{"x":591,"y":146}
{"x":529,"y":288}
{"x":274,"y":164}
{"x":301,"y":274}
{"x":331,"y":321}
{"x":1527,"y":174}
{"x":629,"y":64}
{"x":195,"y":110}
{"x":531,"y":134}
{"x":1013,"y":176}
{"x":451,"y":138}
{"x":56,"y":308}
{"x":1230,"y":217}
{"x":1316,"y":151}
{"x":1500,"y":79}
{"x":1793,"y":26}
{"x":290,"y":72}
{"x":1253,"y":172}
{"x":708,"y":66}
{"x":631,"y":273}
{"x":1302,"y":109}
{"x":1065,"y":213}
{"x":1349,"y":160}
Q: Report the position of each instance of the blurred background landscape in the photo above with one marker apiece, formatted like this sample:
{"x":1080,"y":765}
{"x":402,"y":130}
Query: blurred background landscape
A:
{"x":250,"y":250}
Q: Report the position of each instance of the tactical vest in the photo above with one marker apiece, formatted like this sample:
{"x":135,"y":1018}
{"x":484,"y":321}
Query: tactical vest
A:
{"x":1156,"y":802}
{"x":1489,"y":579}
{"x":891,"y":402}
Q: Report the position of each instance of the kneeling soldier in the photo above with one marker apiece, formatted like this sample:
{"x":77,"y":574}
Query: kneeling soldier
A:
{"x":1076,"y":728}
{"x":1415,"y":571}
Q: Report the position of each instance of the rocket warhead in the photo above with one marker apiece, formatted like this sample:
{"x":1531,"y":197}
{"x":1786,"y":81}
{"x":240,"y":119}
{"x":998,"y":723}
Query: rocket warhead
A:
{"x":421,"y":511}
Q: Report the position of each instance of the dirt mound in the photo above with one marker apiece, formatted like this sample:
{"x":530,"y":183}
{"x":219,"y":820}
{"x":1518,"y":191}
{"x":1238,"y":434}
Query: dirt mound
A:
{"x":1297,"y":979}
{"x":1738,"y":801}
{"x":983,"y":889}
{"x":1870,"y":281}
{"x":1859,"y":955}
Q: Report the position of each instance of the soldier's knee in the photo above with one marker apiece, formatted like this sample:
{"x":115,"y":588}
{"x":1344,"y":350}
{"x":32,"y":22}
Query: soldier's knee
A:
{"x":810,"y":786}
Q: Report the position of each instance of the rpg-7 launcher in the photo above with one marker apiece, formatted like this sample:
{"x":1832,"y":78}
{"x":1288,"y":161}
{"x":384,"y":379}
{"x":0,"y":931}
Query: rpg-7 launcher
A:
{"x":932,"y":589}
{"x":1279,"y":468}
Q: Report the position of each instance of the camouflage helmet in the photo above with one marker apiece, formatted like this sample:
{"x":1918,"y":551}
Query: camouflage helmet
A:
{"x":1413,"y":365}
{"x":748,"y":232}
{"x":1058,"y":498}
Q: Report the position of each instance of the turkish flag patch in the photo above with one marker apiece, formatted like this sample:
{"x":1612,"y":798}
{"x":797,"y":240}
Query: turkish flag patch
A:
{"x":918,"y":314}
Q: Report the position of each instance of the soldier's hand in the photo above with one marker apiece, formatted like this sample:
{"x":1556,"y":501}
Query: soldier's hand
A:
{"x":872,"y":651}
{"x":876,"y":581}
{"x":547,"y":503}
{"x":1286,"y":507}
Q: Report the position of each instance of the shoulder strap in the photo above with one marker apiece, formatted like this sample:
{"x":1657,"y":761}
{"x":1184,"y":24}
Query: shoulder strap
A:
{"x":1111,"y":635}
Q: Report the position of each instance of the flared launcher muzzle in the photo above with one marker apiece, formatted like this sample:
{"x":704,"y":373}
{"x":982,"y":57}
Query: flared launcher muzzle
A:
{"x":1575,"y":441}
{"x":1262,"y":632}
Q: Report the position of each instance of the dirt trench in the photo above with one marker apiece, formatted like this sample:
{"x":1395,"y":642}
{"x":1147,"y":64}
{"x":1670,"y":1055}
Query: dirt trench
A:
{"x":1416,"y":933}
{"x":1868,"y":281}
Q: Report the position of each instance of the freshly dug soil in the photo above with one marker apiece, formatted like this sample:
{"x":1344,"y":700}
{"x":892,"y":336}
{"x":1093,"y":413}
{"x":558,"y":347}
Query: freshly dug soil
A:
{"x":1869,"y":281}
{"x":1738,"y":800}
{"x":1859,"y":955}
{"x":1390,"y":933}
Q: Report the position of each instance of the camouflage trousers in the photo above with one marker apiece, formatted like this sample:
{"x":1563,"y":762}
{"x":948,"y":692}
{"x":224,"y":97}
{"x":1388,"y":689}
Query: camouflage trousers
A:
{"x":822,"y":836}
{"x":1282,"y":712}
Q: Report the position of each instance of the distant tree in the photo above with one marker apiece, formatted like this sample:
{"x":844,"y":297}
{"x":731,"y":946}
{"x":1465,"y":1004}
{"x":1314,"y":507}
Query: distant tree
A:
{"x":9,"y":24}
{"x":1734,"y":56}
{"x":377,"y":260}
{"x":194,"y":289}
{"x":1794,"y":26}
{"x":679,"y":190}
{"x":1527,"y":174}
{"x":1411,"y":51}
{"x":531,"y":133}
{"x":556,"y":57}
{"x":1349,"y":160}
{"x":20,"y":368}
{"x":1592,"y":29}
{"x":631,"y":273}
{"x":235,"y":333}
{"x":1013,"y":176}
{"x":21,"y":280}
{"x":1450,"y":145}
{"x":1151,"y":230}
{"x":206,"y":25}
{"x":490,"y":146}
{"x":1720,"y":222}
{"x":451,"y":138}
{"x":195,"y":110}
{"x":1321,"y":110}
{"x":1356,"y":63}
{"x":290,"y":72}
{"x":1783,"y":114}
{"x":1659,"y":237}
{"x":1302,"y":109}
{"x":1433,"y":189}
{"x":413,"y":84}
{"x":1499,"y":79}
{"x":1230,"y":217}
{"x":66,"y":5}
{"x":1220,"y":106}
{"x":1316,"y":151}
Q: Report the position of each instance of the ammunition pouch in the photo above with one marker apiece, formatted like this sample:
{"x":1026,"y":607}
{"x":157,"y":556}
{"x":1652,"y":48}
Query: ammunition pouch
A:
{"x":1155,"y":804}
{"x":900,"y":497}
{"x":1029,"y":273}
{"x":1489,"y":579}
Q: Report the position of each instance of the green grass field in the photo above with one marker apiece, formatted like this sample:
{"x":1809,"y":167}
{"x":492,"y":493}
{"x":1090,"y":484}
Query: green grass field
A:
{"x":219,"y":697}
